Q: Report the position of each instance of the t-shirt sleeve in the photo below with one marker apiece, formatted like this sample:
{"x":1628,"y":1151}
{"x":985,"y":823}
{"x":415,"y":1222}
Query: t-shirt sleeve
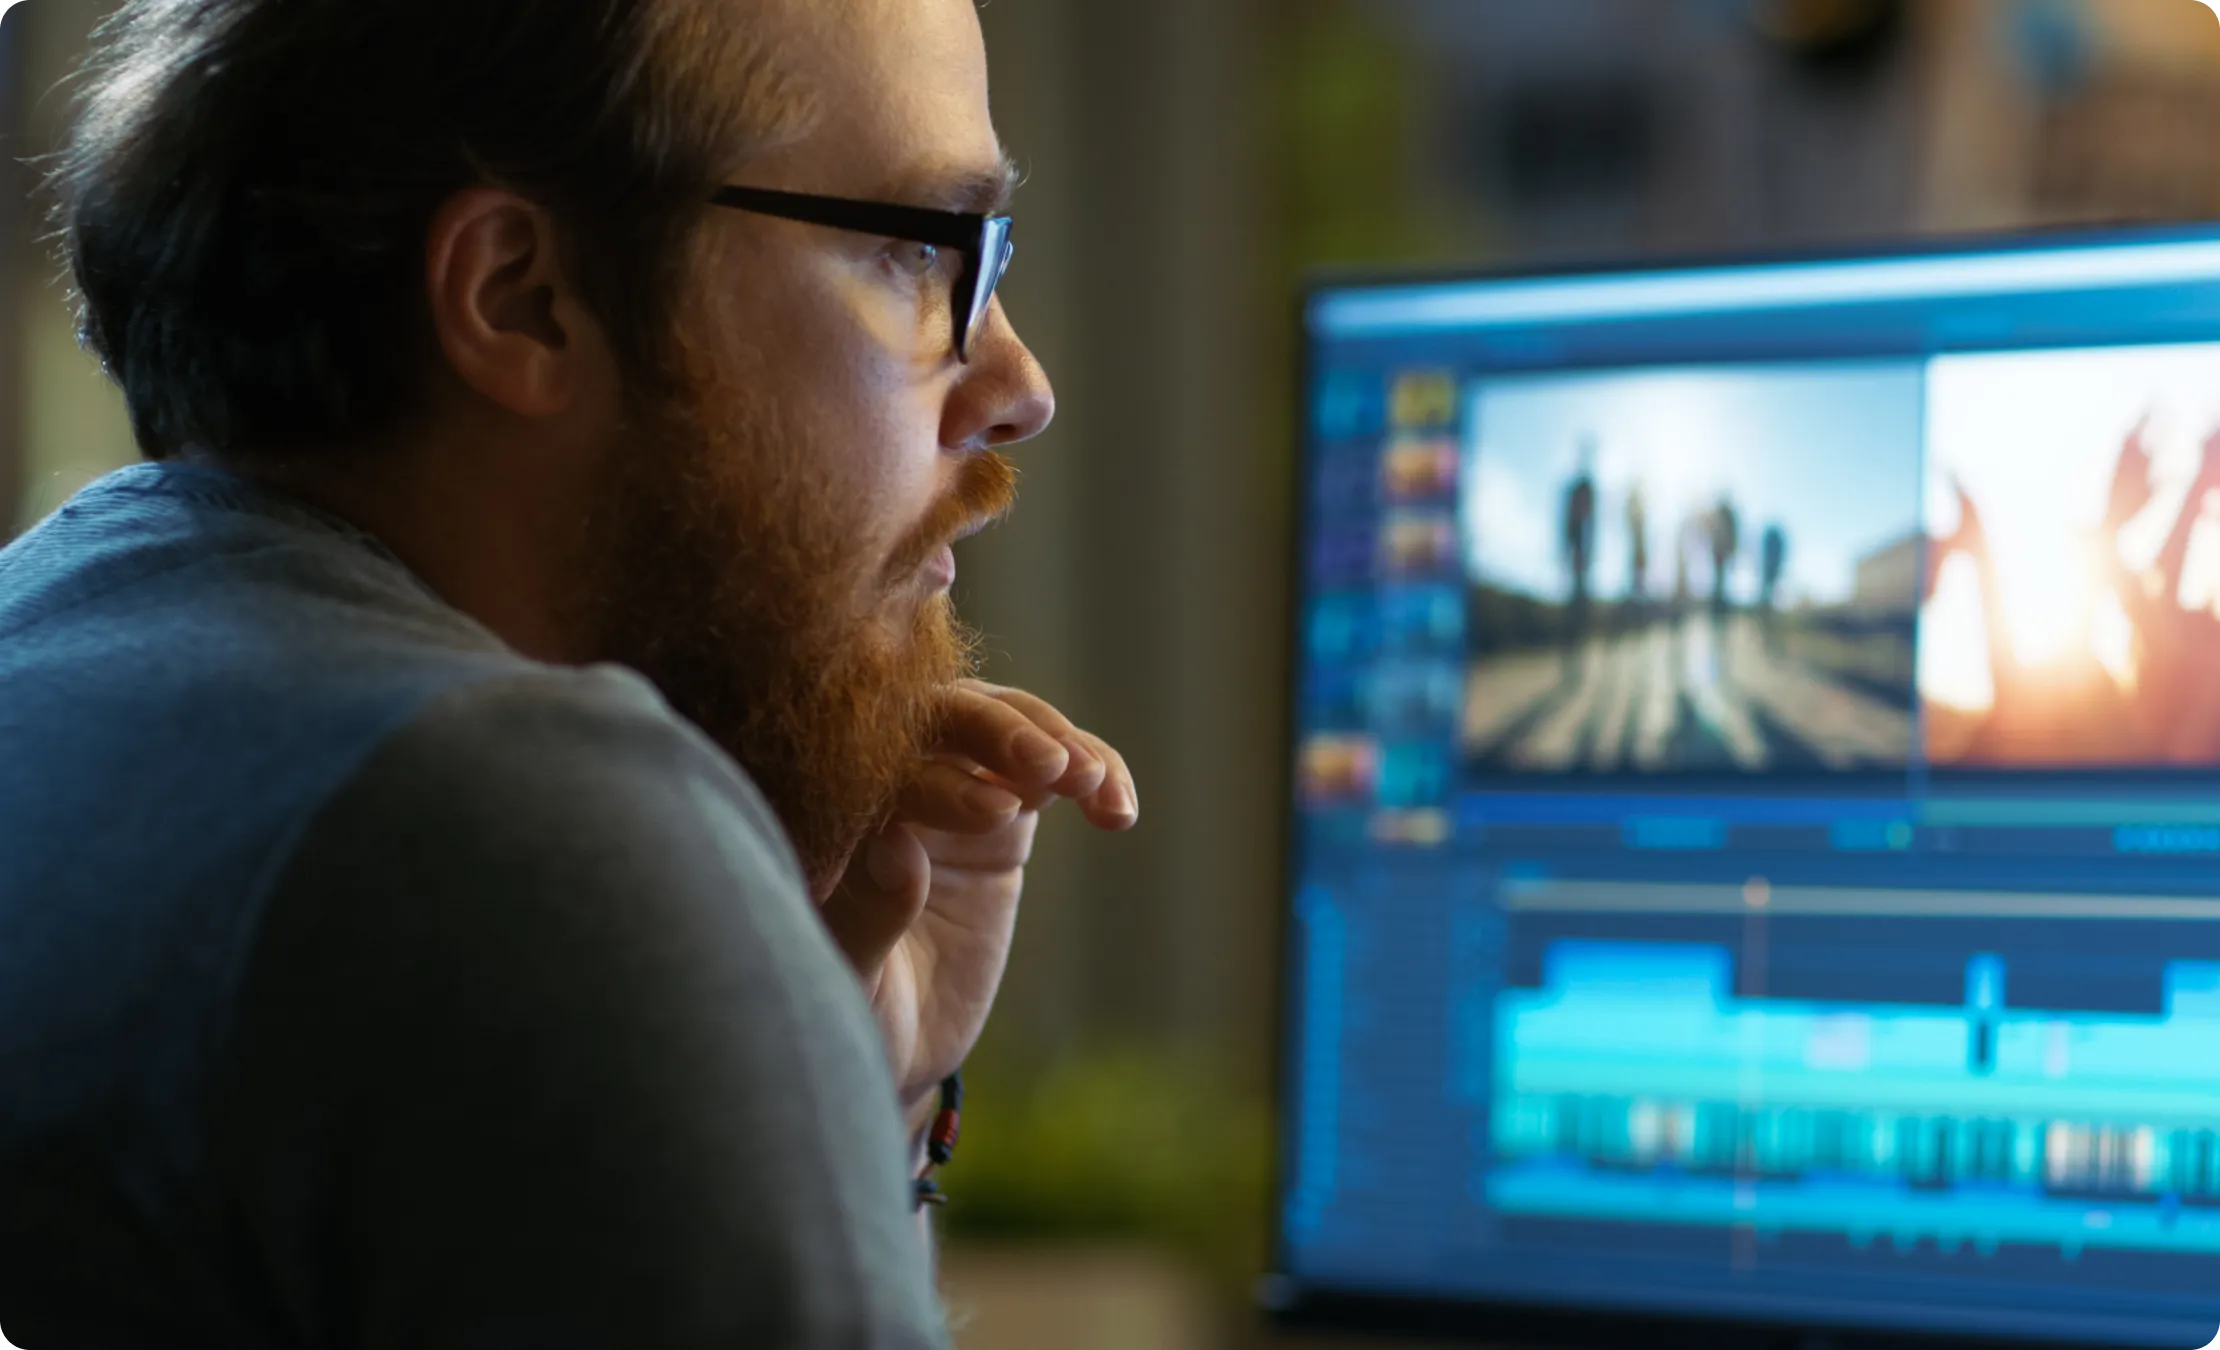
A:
{"x":540,"y":1044}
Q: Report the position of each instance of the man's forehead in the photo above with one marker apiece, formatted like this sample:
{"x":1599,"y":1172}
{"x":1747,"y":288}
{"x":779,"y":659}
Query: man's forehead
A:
{"x":901,"y":109}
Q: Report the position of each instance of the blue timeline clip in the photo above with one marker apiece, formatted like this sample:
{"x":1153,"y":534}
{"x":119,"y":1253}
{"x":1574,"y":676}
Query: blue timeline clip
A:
{"x":2167,"y":840}
{"x":1680,"y":834}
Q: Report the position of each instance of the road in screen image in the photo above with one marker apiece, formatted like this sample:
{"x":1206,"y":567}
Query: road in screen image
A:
{"x":2072,"y":608}
{"x":1694,"y":570}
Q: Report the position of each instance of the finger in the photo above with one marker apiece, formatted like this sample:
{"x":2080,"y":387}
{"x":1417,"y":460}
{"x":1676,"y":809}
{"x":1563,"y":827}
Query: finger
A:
{"x":1000,"y":851}
{"x":1115,"y":803}
{"x":1000,"y":739}
{"x":944,"y":796}
{"x":1111,"y":802}
{"x":1087,"y":768}
{"x":878,"y":900}
{"x":1029,"y":799}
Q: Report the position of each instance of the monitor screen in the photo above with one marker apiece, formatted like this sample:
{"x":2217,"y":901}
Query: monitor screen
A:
{"x":1756,"y":813}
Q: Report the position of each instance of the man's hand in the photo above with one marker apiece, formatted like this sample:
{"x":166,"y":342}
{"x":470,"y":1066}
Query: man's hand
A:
{"x":927,"y":907}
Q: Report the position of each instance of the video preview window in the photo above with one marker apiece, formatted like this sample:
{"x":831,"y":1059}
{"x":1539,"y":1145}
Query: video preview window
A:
{"x":2002,"y":561}
{"x":2071,"y":616}
{"x":1693,"y":570}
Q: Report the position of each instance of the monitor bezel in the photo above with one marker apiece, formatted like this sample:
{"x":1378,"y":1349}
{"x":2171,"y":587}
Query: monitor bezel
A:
{"x":1285,"y":1299}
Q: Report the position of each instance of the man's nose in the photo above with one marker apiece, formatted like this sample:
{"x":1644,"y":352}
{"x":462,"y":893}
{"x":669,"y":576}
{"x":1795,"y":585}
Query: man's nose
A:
{"x":1005,"y":395}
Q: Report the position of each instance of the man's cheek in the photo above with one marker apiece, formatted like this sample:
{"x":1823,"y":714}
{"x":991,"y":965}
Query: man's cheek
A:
{"x":911,"y":482}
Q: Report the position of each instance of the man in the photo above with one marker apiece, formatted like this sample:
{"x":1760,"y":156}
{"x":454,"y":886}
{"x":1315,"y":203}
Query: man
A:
{"x":383,"y":960}
{"x":1638,"y":542}
{"x":1772,"y":566}
{"x":1725,"y":537}
{"x":1577,"y":541}
{"x":1578,"y":538}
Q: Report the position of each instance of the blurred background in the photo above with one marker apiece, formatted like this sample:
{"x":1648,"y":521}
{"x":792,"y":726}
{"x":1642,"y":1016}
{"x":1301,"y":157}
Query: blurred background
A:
{"x":1189,"y":162}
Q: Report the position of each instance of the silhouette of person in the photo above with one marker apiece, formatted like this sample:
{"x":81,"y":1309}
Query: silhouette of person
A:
{"x":1726,"y":542}
{"x":1579,"y":543}
{"x":1772,"y":559}
{"x":1772,"y":562}
{"x":1580,"y":523}
{"x":1638,"y":539}
{"x":1681,"y":588}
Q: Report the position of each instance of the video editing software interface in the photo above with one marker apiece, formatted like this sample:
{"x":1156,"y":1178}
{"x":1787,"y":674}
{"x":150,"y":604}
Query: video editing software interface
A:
{"x":1757,"y":821}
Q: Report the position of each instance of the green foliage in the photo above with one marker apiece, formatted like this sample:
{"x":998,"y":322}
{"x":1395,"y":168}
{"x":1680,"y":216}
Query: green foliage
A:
{"x":1126,"y":1144}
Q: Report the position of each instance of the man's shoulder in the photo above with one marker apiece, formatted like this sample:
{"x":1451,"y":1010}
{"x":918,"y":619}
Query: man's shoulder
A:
{"x":215,"y":567}
{"x":544,"y":760}
{"x":521,"y":805}
{"x":610,"y":1074}
{"x":195,"y":666}
{"x":209,"y":662}
{"x":512,"y":811}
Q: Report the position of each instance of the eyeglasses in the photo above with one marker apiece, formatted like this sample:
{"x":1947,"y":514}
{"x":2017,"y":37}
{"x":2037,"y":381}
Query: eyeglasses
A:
{"x":983,"y":240}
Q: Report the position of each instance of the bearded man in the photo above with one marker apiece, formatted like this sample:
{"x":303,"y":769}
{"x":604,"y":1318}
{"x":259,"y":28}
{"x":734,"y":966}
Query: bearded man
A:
{"x":452,"y":788}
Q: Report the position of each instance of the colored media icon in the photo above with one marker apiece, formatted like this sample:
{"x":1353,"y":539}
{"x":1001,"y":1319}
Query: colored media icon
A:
{"x":1419,"y":469}
{"x":1340,"y":770}
{"x":1349,"y":406}
{"x":1424,"y":400}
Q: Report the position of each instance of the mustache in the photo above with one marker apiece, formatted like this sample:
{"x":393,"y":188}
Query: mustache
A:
{"x":984,"y":492}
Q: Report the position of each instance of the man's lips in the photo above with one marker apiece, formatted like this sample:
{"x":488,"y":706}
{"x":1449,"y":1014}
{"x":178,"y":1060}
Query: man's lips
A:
{"x":940,"y":568}
{"x":940,"y":564}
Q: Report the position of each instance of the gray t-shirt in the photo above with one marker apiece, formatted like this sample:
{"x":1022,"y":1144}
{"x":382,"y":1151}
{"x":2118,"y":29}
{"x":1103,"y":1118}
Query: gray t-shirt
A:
{"x":365,"y":984}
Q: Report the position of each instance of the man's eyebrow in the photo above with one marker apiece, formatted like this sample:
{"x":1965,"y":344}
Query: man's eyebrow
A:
{"x":985,"y":193}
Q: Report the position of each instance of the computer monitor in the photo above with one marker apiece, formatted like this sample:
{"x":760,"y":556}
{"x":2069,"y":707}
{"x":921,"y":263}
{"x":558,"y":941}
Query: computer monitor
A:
{"x":1755,"y":827}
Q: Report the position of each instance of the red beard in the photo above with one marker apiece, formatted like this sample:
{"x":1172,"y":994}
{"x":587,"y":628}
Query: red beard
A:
{"x":720,"y":565}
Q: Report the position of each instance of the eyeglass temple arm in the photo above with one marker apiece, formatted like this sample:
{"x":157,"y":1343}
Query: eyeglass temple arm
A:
{"x":948,"y":229}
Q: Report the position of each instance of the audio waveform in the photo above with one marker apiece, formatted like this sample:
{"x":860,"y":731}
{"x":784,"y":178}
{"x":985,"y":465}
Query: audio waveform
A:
{"x":1635,"y":1085}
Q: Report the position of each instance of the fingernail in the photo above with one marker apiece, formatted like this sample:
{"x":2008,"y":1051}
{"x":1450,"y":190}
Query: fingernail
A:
{"x":1128,"y":805}
{"x":1037,"y":751}
{"x":988,"y":800}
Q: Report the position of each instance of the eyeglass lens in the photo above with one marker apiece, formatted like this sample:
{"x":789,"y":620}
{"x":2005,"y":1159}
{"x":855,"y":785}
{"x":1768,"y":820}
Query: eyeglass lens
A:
{"x":995,"y":249}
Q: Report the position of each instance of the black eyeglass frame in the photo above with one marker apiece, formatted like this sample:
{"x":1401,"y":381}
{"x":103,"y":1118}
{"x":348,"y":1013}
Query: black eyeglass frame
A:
{"x":979,"y":237}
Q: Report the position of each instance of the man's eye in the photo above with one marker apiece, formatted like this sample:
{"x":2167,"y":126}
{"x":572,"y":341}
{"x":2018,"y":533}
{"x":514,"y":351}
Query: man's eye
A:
{"x":916,"y":259}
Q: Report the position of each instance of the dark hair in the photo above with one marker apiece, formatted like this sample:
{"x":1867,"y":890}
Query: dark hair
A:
{"x":244,"y":197}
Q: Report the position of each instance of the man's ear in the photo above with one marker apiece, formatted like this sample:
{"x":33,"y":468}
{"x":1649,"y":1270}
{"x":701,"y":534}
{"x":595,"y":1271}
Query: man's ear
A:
{"x":508,"y":320}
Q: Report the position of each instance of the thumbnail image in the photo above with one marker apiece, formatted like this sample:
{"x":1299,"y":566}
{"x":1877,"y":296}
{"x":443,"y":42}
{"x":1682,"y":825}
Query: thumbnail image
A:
{"x":1419,"y":469}
{"x":1699,"y":570}
{"x":2071,"y":610}
{"x":1339,"y":770}
{"x":1424,"y":398}
{"x":1417,"y":544}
